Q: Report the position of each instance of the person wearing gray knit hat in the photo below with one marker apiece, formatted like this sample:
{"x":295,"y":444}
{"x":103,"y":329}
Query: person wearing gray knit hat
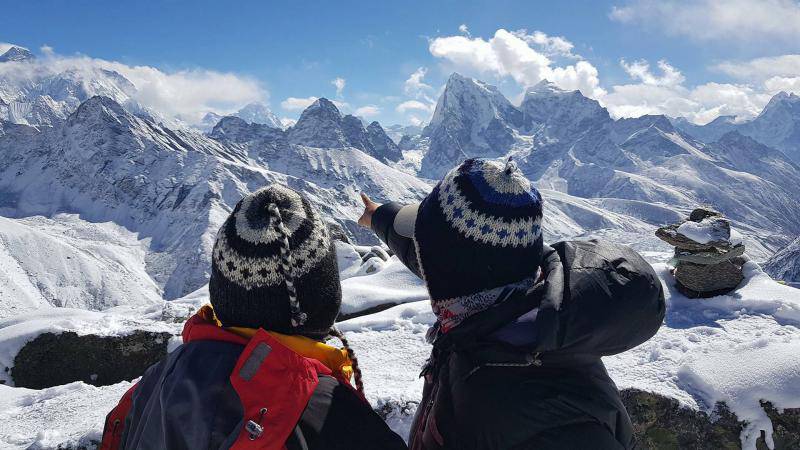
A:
{"x":274,"y":266}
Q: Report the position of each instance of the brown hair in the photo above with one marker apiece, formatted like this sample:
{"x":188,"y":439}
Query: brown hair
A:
{"x":350,"y":354}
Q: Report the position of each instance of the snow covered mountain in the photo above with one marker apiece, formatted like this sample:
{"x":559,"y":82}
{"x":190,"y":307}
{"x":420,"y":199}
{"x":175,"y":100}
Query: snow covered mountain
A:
{"x":569,"y":143}
{"x":777,"y":126}
{"x":259,"y":113}
{"x":108,"y":209}
{"x":174,"y":188}
{"x":471,"y":119}
{"x":785,"y":265}
{"x":321,"y":125}
{"x":16,"y":54}
{"x":253,"y":113}
{"x":40,"y":94}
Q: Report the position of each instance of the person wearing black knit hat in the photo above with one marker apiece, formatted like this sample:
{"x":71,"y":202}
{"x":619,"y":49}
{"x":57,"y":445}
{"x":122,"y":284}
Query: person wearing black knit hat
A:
{"x":254,"y":371}
{"x":520,"y":325}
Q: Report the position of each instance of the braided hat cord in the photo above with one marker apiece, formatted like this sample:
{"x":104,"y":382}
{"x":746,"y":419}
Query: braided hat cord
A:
{"x":298,"y":316}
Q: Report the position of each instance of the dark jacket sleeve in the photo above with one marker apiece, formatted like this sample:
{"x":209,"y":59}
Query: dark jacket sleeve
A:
{"x":403,"y":247}
{"x":337,"y":418}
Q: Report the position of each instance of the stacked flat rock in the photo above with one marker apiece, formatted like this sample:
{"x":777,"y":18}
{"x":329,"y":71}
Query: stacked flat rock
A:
{"x":708,"y":260}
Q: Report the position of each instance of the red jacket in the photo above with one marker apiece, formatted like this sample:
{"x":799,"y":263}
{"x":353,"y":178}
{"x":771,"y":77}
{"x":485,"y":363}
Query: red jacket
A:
{"x":221,"y":390}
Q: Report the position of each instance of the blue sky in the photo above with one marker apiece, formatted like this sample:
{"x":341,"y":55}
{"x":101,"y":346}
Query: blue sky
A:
{"x":718,"y":57}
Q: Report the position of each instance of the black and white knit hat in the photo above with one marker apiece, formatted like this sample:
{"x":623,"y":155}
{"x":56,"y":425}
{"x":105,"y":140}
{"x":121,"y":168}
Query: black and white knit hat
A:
{"x":478,"y":231}
{"x":274,"y":266}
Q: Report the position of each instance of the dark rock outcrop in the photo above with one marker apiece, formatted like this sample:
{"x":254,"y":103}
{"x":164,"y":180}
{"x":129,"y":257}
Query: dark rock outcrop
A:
{"x":661,"y":423}
{"x":56,"y":359}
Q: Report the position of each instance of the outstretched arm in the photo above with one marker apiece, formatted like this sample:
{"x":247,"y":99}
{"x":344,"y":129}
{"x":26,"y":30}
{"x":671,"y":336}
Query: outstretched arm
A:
{"x":380,"y":218}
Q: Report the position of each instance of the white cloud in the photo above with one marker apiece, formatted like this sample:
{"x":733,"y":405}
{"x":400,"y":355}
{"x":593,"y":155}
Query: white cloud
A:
{"x":411,"y":105}
{"x":190,"y":93}
{"x":740,"y":20}
{"x":510,"y":54}
{"x":550,"y":45}
{"x":463,"y":29}
{"x":414,"y":86}
{"x":667,"y":95}
{"x":787,"y":84}
{"x":640,"y":70}
{"x":761,"y":68}
{"x":414,"y":120}
{"x":367,"y":111}
{"x":297,"y":104}
{"x":186,"y":94}
{"x":339,"y":83}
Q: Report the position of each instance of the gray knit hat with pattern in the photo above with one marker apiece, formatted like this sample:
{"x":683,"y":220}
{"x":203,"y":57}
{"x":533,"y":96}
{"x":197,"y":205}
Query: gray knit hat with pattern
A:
{"x":274,"y":266}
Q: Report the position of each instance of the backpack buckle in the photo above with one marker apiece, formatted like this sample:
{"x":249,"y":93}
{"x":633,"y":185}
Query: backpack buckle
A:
{"x":255,"y":430}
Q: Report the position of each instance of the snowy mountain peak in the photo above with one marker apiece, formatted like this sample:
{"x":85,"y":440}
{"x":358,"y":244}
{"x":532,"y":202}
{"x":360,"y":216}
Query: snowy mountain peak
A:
{"x":383,"y":147}
{"x":98,"y":108}
{"x":16,"y":54}
{"x":547,"y":103}
{"x":543,"y":87}
{"x":259,"y":113}
{"x":782,"y":103}
{"x":471,"y":119}
{"x":320,"y":125}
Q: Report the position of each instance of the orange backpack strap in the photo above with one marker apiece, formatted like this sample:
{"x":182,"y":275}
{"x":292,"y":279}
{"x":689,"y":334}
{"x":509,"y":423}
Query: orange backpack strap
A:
{"x":274,"y":385}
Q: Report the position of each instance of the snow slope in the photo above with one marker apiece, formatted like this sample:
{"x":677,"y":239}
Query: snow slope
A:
{"x":739,"y":348}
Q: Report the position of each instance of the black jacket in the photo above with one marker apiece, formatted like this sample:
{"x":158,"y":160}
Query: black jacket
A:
{"x":595,"y":299}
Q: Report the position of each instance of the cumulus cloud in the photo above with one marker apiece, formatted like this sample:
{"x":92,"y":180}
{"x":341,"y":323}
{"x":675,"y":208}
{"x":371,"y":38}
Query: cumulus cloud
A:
{"x":740,"y":20}
{"x":640,"y":70}
{"x":297,"y":103}
{"x":463,"y":29}
{"x":186,"y":94}
{"x":550,"y":45}
{"x":367,"y":111}
{"x":415,"y":85}
{"x":761,"y":68}
{"x":339,"y":84}
{"x":666,"y":94}
{"x":411,"y":105}
{"x":512,"y":54}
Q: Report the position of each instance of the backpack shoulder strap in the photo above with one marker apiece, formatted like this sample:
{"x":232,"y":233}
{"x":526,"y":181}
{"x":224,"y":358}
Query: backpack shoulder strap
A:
{"x":266,"y":365}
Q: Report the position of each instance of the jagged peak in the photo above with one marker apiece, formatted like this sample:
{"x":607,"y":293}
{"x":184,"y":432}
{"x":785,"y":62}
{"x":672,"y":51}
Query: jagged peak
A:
{"x":101,"y":104}
{"x":781,"y":100}
{"x":375,"y":125}
{"x":543,"y":87}
{"x":16,"y":54}
{"x":321,"y":109}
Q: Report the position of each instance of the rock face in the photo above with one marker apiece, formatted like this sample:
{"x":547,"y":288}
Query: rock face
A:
{"x":56,"y":359}
{"x":661,"y":423}
{"x":383,"y":147}
{"x":707,"y":261}
{"x":471,"y":119}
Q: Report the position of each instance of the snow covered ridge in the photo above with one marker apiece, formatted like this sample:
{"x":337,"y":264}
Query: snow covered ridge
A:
{"x":174,"y":188}
{"x":567,"y":142}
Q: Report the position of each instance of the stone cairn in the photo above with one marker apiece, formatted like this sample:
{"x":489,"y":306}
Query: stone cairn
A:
{"x":708,"y":262}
